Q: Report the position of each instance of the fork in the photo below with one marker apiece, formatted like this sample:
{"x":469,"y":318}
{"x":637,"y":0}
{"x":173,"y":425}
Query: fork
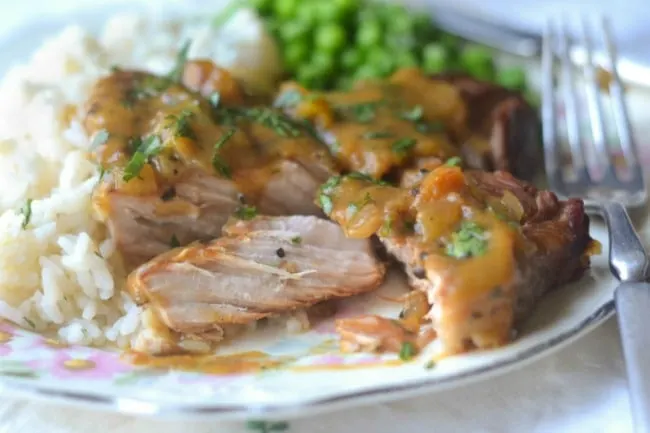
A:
{"x":606,"y":191}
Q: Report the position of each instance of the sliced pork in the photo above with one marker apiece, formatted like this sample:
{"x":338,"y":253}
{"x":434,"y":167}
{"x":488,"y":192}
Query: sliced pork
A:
{"x":263,"y":267}
{"x":483,"y":247}
{"x":179,"y":157}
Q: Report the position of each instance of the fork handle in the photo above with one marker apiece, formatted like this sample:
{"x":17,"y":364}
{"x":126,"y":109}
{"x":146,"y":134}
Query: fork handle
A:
{"x":632,"y":309}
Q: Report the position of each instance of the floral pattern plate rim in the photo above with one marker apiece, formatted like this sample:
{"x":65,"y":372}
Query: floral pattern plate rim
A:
{"x":316,"y":379}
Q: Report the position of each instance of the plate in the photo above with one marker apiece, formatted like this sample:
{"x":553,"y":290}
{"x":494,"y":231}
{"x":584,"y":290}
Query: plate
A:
{"x":309,"y":376}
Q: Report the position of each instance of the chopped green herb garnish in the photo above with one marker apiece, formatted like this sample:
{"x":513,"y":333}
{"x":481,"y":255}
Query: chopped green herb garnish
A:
{"x":174,"y":243}
{"x":407,"y":351}
{"x":427,"y":127}
{"x":100,"y":138}
{"x":469,"y":241}
{"x":429,"y":365}
{"x":176,"y":74}
{"x":102,"y":172}
{"x":326,"y":203}
{"x":330,"y":184}
{"x":454,"y":161}
{"x":148,"y":147}
{"x":414,"y":115}
{"x":114,"y":69}
{"x":363,"y":112}
{"x":280,"y":123}
{"x":357,"y":175}
{"x":29,"y":322}
{"x":386,"y":228}
{"x":296,"y":240}
{"x":26,"y":212}
{"x":355,"y":207}
{"x":218,"y":162}
{"x":403,"y":145}
{"x":409,"y":226}
{"x":181,"y":125}
{"x":376,"y":135}
{"x":215,"y":98}
{"x":289,"y":98}
{"x":146,"y":87}
{"x":246,"y":212}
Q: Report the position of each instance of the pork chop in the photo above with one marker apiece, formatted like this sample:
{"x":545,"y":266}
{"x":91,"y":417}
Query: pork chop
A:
{"x":484,"y":247}
{"x":180,"y":157}
{"x":262,"y":267}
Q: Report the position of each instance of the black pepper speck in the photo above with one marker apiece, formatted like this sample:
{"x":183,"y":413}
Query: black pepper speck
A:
{"x":280,"y":252}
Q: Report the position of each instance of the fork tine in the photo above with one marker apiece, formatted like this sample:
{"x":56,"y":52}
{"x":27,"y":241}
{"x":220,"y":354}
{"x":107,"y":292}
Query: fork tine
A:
{"x":549,"y":127}
{"x":571,"y":109}
{"x":594,"y":104}
{"x":619,"y":108}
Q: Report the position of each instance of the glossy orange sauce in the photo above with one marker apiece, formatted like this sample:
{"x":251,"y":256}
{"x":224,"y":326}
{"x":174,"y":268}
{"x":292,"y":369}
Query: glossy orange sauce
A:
{"x":240,"y":363}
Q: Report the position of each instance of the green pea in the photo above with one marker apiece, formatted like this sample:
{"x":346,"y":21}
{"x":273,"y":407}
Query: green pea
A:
{"x":293,"y":30}
{"x":484,"y":72}
{"x":435,"y":58}
{"x":351,"y":59}
{"x":324,"y":62}
{"x":307,"y":13}
{"x":285,"y":9}
{"x":330,"y":37}
{"x":366,"y":72}
{"x":310,"y":76}
{"x":477,"y":61}
{"x":406,"y":60}
{"x":295,"y":54}
{"x":512,"y":78}
{"x":369,"y":34}
{"x":381,"y":61}
{"x":262,"y":6}
{"x":400,"y":21}
{"x":451,"y":42}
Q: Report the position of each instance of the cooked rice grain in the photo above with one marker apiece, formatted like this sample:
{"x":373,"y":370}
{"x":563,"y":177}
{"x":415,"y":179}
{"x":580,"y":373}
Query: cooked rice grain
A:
{"x":59,"y":271}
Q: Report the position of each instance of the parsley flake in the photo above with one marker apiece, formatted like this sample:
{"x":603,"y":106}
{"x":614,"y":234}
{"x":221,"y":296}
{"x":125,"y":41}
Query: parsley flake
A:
{"x":29,"y":322}
{"x":414,"y":115}
{"x":428,"y":127}
{"x":174,"y":242}
{"x":296,"y":240}
{"x":181,"y":125}
{"x":407,"y":351}
{"x":214,"y":99}
{"x":403,"y":145}
{"x":26,"y":212}
{"x":218,"y":162}
{"x":100,"y":138}
{"x":376,"y":135}
{"x":454,"y":161}
{"x":289,"y":98}
{"x":147,"y":148}
{"x":468,"y":241}
{"x":246,"y":212}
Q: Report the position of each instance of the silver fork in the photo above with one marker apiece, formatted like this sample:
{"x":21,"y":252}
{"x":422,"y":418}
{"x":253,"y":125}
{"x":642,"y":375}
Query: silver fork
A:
{"x":607,"y":194}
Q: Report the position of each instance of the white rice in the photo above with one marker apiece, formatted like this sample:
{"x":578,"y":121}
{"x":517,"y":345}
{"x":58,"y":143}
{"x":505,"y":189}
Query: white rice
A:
{"x":61,"y":271}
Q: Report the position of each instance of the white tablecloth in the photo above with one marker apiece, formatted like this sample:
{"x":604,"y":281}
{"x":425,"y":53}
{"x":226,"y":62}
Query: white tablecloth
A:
{"x":579,"y":389}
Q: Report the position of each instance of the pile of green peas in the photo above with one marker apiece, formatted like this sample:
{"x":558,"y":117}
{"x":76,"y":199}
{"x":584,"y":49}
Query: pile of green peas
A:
{"x":329,"y":44}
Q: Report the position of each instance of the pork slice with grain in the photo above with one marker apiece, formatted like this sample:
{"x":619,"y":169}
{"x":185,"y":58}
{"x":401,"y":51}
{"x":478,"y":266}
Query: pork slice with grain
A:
{"x":263,"y":267}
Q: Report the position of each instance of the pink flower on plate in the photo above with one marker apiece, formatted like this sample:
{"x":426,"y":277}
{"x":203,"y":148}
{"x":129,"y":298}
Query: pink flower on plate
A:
{"x":5,"y":349}
{"x":100,"y":365}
